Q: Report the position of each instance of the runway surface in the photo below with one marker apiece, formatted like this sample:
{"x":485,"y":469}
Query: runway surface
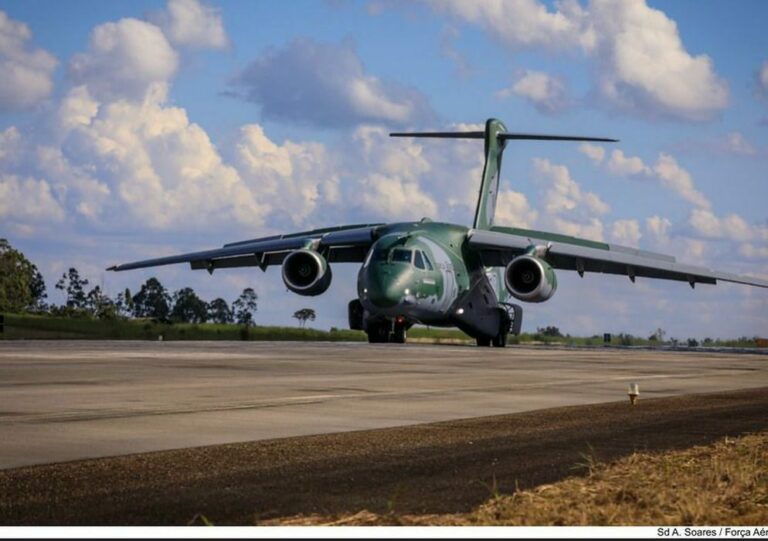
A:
{"x":63,"y":401}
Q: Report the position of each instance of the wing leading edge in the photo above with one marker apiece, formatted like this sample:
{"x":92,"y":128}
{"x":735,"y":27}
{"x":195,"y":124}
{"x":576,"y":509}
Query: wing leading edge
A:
{"x":500,"y":245}
{"x":343,"y":244}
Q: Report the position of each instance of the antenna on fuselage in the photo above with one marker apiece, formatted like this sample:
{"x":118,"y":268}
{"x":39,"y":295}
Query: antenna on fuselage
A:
{"x":496,"y":137}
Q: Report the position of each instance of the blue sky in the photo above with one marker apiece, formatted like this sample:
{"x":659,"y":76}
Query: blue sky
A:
{"x":143,"y":128}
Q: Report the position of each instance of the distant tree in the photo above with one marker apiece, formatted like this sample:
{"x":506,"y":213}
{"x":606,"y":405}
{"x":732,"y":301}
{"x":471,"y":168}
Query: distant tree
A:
{"x":74,"y":286}
{"x":188,"y":307}
{"x":124,"y":303}
{"x":708,"y":342}
{"x":219,"y":311}
{"x":692,"y":343}
{"x":549,"y":331}
{"x":658,"y":335}
{"x":37,"y":289}
{"x":152,"y":300}
{"x":303,"y":315}
{"x":245,"y":306}
{"x":21,"y":285}
{"x":100,"y":305}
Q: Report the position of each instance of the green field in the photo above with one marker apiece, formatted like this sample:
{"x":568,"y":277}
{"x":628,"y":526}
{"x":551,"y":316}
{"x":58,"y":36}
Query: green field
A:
{"x":45,"y":327}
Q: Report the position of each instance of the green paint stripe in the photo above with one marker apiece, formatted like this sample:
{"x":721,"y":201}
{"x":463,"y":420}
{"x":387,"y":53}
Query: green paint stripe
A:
{"x":555,"y":237}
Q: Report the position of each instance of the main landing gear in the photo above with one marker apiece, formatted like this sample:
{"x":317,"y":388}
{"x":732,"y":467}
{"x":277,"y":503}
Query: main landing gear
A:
{"x":381,"y":332}
{"x":510,"y":322}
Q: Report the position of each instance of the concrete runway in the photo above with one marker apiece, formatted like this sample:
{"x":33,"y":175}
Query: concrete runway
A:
{"x":68,"y":400}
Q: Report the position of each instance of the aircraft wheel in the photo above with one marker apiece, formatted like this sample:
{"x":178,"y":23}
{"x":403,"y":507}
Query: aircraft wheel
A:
{"x":500,"y":340}
{"x":378,"y":333}
{"x":484,"y":342}
{"x":400,"y":334}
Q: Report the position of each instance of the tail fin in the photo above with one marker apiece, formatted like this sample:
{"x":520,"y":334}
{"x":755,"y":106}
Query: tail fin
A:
{"x":496,"y":137}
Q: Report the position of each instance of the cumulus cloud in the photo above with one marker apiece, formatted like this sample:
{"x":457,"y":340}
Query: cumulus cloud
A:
{"x":658,"y":228}
{"x":192,"y":23}
{"x":513,"y":209}
{"x":626,"y":232}
{"x":161,"y":169}
{"x":28,"y":199}
{"x":679,"y":180}
{"x":619,"y":164}
{"x":593,"y":152}
{"x":546,"y":93}
{"x":642,"y":64}
{"x":326,"y":85}
{"x":125,"y":60}
{"x":10,"y":140}
{"x":731,"y":226}
{"x":666,"y":170}
{"x":292,"y":178}
{"x":26,"y":73}
{"x":568,"y":209}
{"x":736,"y":143}
{"x":563,"y":194}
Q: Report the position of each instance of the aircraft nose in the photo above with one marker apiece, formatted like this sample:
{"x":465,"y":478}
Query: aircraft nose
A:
{"x":384,"y":296}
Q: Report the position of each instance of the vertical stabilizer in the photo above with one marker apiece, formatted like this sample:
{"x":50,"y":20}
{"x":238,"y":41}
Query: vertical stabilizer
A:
{"x":496,"y":137}
{"x":489,"y":185}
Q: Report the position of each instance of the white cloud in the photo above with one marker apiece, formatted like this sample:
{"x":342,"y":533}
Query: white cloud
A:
{"x":658,"y":228}
{"x":626,"y":232}
{"x":751,"y":251}
{"x":563,"y":194}
{"x":126,"y":59}
{"x":736,"y":143}
{"x":10,"y":140}
{"x":77,"y":108}
{"x":524,"y":23}
{"x":545,"y":92}
{"x":161,"y":170}
{"x":679,"y":180}
{"x":513,"y":209}
{"x":26,"y":73}
{"x":591,"y":229}
{"x":292,"y":177}
{"x":732,"y":227}
{"x":392,"y":198}
{"x":192,"y":23}
{"x":642,"y":64}
{"x":593,"y":152}
{"x":622,"y":165}
{"x":326,"y":85}
{"x":28,"y":199}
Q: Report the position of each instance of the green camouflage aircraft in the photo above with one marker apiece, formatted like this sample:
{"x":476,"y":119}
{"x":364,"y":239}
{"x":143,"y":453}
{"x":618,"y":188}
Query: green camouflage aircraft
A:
{"x":443,"y":274}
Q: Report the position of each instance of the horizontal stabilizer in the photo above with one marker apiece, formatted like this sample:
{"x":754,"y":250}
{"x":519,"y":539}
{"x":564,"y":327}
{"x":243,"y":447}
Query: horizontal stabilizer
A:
{"x":503,"y":136}
{"x":442,"y":134}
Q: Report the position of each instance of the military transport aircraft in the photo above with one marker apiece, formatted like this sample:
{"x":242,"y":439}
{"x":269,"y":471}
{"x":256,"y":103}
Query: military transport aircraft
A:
{"x":443,"y":274}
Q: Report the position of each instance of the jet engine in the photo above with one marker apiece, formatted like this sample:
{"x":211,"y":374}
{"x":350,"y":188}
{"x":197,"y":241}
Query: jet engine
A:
{"x":530,"y":279}
{"x":306,"y":272}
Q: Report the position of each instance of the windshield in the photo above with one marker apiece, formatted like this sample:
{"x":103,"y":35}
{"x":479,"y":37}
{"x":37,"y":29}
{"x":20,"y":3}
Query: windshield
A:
{"x":400,"y":255}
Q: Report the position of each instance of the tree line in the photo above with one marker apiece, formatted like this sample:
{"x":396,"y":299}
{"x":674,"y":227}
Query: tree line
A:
{"x":22,"y":289}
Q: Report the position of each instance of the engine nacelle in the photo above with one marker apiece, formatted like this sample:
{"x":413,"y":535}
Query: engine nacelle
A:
{"x":530,"y":279}
{"x":306,"y":272}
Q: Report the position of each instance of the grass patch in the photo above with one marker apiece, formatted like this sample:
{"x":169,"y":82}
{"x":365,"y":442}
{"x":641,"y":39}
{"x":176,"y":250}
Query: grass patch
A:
{"x":725,"y":483}
{"x":24,"y":326}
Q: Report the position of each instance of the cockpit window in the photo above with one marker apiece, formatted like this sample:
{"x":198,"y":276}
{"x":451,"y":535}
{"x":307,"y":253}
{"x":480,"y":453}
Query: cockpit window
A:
{"x":427,"y":261}
{"x":418,"y":260}
{"x":380,"y":255}
{"x":400,"y":255}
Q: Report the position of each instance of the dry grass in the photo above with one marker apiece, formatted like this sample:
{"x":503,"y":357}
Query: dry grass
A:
{"x":723,"y":483}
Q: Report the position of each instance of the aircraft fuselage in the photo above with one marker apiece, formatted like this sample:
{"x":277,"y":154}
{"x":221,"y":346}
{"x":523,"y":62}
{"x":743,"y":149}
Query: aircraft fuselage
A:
{"x":423,"y":273}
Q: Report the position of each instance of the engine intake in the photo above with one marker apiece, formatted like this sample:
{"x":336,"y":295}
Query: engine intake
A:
{"x":306,"y":272}
{"x":530,"y":279}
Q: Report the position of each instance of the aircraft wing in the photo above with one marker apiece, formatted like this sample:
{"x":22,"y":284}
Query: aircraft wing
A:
{"x":499,"y":245}
{"x":343,"y":244}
